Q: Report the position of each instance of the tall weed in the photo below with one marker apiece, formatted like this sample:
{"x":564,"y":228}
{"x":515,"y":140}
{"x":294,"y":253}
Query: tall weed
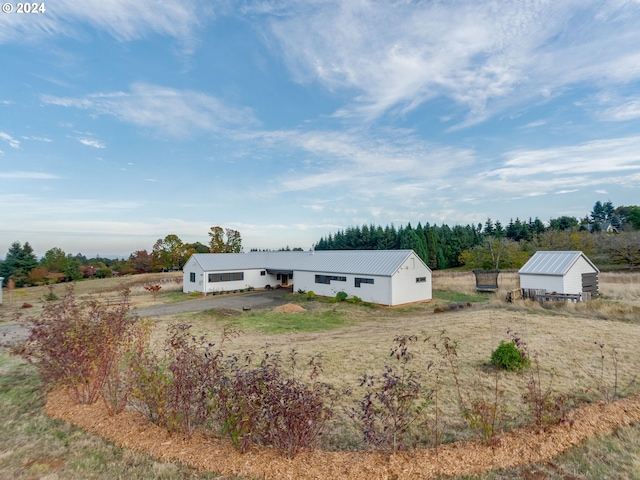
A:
{"x":392,"y":413}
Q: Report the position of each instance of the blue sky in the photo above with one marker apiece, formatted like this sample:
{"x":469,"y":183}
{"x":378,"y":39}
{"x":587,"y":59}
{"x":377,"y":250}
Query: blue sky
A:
{"x":122,"y":122}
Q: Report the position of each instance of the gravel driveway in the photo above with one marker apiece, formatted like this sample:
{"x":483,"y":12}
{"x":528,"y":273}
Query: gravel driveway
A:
{"x":255,"y":301}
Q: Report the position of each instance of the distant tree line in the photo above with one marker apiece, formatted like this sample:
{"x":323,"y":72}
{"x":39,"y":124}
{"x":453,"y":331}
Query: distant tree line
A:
{"x":169,"y":253}
{"x":494,"y":245}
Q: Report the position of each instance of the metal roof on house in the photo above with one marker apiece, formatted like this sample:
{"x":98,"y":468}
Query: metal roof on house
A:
{"x":359,"y":262}
{"x":553,"y":263}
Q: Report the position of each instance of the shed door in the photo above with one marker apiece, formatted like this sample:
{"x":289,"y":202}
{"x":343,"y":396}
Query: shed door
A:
{"x":590,"y":284}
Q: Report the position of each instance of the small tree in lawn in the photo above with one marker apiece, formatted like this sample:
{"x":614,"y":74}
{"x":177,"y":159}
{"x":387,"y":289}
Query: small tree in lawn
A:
{"x":154,"y":289}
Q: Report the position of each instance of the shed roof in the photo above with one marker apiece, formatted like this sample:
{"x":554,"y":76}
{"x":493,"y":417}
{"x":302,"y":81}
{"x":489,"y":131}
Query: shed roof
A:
{"x":360,"y":262}
{"x":553,"y":263}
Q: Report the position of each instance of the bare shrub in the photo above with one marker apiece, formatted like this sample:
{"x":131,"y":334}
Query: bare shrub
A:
{"x":481,"y":406}
{"x":545,"y":407}
{"x":265,"y":405}
{"x":392,"y":414}
{"x":173,"y":391}
{"x":76,"y":344}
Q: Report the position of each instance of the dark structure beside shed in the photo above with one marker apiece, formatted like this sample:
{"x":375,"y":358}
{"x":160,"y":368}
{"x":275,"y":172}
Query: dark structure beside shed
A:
{"x":486,"y":280}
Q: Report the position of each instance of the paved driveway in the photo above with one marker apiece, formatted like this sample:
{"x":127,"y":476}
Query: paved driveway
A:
{"x":254,"y":300}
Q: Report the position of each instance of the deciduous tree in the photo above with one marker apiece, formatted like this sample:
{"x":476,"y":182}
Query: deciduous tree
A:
{"x":224,"y":240}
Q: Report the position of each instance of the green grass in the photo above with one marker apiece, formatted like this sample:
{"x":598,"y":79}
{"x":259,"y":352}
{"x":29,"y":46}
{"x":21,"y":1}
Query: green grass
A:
{"x":451,"y":296}
{"x":32,"y":445}
{"x":272,"y":322}
{"x":176,"y":297}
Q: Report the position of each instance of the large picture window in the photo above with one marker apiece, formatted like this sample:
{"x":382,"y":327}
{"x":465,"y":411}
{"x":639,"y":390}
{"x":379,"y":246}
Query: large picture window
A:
{"x":226,"y":277}
{"x":326,"y":279}
{"x":359,"y":281}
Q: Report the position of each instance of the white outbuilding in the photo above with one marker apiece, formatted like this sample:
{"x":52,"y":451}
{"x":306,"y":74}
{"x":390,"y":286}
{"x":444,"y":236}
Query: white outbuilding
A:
{"x":566,"y":273}
{"x":386,"y":277}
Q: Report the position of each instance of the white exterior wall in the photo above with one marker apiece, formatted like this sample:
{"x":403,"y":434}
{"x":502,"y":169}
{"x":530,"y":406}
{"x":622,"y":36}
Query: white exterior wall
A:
{"x":573,"y":278}
{"x":187,"y":285}
{"x":252,"y":278}
{"x":570,"y":283}
{"x":405,"y":289}
{"x":378,"y":292}
{"x":549,"y":283}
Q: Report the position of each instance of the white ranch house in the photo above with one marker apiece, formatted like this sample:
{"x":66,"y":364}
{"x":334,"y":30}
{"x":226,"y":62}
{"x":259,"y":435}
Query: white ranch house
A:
{"x":567,"y":273}
{"x":386,"y":277}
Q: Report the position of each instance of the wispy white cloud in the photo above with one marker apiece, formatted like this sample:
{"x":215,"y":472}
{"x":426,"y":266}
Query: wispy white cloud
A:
{"x":30,"y":207}
{"x":91,"y":142}
{"x":174,"y":112}
{"x":38,"y":139}
{"x":29,"y":175}
{"x":365,"y":169}
{"x":122,"y":19}
{"x":537,"y":123}
{"x":565,"y":169}
{"x":399,"y":55}
{"x":13,"y":143}
{"x":629,"y":109}
{"x":599,"y":157}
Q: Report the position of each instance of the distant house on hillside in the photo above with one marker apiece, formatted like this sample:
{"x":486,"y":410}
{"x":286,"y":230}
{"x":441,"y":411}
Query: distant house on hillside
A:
{"x":567,"y":272}
{"x":386,"y":277}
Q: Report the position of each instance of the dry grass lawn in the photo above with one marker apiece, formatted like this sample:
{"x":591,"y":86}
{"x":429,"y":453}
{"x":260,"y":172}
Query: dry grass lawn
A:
{"x":565,"y":339}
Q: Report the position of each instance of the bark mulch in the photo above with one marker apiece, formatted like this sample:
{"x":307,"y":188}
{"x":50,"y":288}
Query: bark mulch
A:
{"x":211,"y":453}
{"x":289,"y":308}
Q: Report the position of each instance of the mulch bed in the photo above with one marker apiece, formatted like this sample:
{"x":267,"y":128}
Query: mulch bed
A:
{"x":211,"y":453}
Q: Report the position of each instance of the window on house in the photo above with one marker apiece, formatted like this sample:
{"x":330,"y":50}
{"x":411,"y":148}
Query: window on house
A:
{"x":278,"y":277}
{"x":326,"y":279}
{"x":359,"y":281}
{"x":192,"y":277}
{"x":421,"y":279}
{"x":263,"y":273}
{"x":226,"y":277}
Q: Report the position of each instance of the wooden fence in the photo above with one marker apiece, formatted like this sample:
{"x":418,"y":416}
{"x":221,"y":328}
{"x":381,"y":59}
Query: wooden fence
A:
{"x":540,"y":295}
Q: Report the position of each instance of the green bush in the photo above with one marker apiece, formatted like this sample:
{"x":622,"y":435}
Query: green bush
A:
{"x":341,"y":296}
{"x":311,"y":294}
{"x":509,"y":357}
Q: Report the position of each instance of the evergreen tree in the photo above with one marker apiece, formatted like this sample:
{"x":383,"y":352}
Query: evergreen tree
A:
{"x":432,"y":247}
{"x":598,"y":213}
{"x":488,"y":227}
{"x":20,"y":260}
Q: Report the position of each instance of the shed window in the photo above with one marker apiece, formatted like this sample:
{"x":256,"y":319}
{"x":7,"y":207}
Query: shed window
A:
{"x":359,"y":281}
{"x":226,"y":277}
{"x":192,"y":277}
{"x":326,"y":279}
{"x":421,"y":279}
{"x":263,"y":273}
